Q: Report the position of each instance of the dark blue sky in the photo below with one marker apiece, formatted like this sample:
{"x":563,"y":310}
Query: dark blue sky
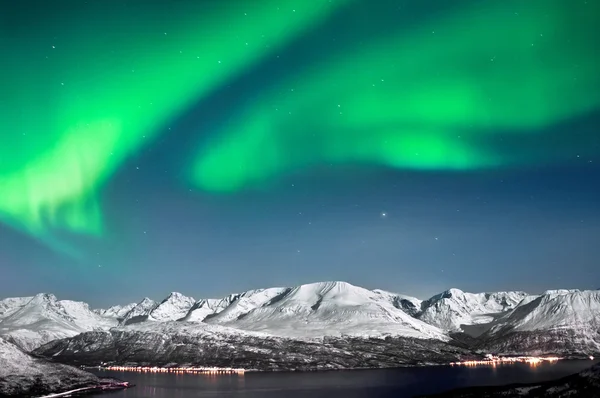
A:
{"x":532,"y":226}
{"x":526,"y":229}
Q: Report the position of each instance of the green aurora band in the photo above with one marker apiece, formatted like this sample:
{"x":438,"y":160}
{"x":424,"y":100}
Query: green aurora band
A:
{"x":87,"y":88}
{"x":427,"y":98}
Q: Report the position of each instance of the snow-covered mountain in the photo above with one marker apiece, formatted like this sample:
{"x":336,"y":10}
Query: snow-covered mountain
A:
{"x":454,"y":308}
{"x":20,"y":372}
{"x":558,"y":321}
{"x":504,"y":321}
{"x":326,"y":309}
{"x":43,"y":318}
{"x":174,"y":307}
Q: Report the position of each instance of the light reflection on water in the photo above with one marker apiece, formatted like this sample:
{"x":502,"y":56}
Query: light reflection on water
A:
{"x":383,"y":383}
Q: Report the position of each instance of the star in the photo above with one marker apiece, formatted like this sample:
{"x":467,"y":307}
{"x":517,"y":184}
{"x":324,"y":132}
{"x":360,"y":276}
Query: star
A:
{"x":383,"y":214}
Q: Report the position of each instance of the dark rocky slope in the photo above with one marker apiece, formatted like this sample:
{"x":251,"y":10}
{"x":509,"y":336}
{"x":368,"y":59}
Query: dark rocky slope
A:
{"x":144,"y":348}
{"x":24,"y":375}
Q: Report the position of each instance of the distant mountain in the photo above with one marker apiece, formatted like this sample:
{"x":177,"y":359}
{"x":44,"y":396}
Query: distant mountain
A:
{"x":22,"y":375}
{"x":454,"y":308}
{"x":561,"y":322}
{"x":43,"y":318}
{"x":585,"y":384}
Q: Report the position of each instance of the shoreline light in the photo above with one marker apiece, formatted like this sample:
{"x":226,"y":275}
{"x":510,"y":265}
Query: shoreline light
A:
{"x":494,"y":360}
{"x":193,"y":370}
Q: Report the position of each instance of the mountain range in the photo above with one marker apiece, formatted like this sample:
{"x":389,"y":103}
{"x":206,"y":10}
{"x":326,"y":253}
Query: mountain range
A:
{"x":326,"y":325}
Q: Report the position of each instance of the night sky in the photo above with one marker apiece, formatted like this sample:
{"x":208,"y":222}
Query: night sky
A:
{"x":215,"y":146}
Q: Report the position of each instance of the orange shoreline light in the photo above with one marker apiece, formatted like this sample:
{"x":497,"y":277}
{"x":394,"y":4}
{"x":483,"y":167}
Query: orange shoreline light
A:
{"x":492,"y":360}
{"x":194,"y":370}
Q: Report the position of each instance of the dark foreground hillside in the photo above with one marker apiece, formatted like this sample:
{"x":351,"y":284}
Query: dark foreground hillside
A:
{"x":585,"y":385}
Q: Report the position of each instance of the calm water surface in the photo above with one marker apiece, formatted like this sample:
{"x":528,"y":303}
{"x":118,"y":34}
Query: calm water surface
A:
{"x":406,"y":382}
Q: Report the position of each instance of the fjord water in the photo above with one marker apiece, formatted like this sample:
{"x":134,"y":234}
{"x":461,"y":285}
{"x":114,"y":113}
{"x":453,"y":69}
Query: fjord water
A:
{"x":379,"y":383}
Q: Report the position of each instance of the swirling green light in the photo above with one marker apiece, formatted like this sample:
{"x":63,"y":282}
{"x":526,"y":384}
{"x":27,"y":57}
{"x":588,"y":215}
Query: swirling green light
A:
{"x":433,"y":97}
{"x":86,"y":88}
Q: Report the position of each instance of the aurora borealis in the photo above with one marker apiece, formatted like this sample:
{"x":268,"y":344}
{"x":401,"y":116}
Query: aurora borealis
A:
{"x":131,"y":128}
{"x":423,"y":99}
{"x":107,"y":91}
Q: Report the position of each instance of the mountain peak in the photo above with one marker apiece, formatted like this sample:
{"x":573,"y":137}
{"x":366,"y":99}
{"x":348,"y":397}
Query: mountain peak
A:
{"x":44,"y":297}
{"x":330,"y":286}
{"x":174,"y":296}
{"x":453,"y":292}
{"x":145,"y":300}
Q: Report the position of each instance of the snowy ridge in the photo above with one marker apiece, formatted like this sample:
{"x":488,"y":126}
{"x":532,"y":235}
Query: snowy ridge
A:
{"x":189,"y":329}
{"x":140,"y":312}
{"x":174,"y":307}
{"x":244,"y":303}
{"x":453,"y":308}
{"x":116,"y":311}
{"x":203,"y":308}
